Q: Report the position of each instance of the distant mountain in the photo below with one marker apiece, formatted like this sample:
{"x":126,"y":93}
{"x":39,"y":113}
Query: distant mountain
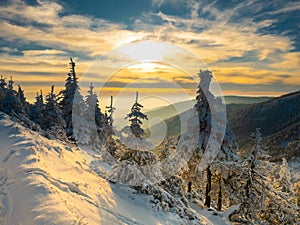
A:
{"x":279,"y":120}
{"x":171,"y":113}
{"x":230,"y":99}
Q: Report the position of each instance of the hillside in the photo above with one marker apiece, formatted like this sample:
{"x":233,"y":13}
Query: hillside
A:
{"x":279,"y":120}
{"x":170,"y":114}
{"x":43,"y":181}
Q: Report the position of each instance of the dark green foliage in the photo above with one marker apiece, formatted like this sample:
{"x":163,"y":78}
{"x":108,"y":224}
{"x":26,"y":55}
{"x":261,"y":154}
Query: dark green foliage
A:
{"x":94,"y":116}
{"x":37,"y":109}
{"x":9,"y":101}
{"x":135,"y":118}
{"x":278,"y":119}
{"x":52,"y":114}
{"x":71,"y":100}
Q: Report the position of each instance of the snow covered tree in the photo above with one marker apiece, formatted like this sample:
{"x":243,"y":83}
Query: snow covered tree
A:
{"x":2,"y":83}
{"x":72,"y":101}
{"x":110,"y":142}
{"x":94,"y":116}
{"x":10,"y":103}
{"x":261,"y":202}
{"x":52,"y":114}
{"x":284,"y":181}
{"x":21,"y":95}
{"x":25,"y":105}
{"x":211,"y":147}
{"x":37,"y":109}
{"x":109,"y":120}
{"x":2,"y":91}
{"x":135,"y":118}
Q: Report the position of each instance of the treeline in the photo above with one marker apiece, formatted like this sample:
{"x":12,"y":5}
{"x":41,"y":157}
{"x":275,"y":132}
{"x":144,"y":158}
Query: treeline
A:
{"x":60,"y":112}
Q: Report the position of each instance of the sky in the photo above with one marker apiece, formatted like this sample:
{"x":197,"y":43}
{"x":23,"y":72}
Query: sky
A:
{"x":251,"y":46}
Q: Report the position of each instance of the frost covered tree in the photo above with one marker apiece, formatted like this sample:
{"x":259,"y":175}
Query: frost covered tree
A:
{"x":261,"y":201}
{"x":71,"y":101}
{"x":109,"y":119}
{"x":3,"y":88}
{"x":10,"y":103}
{"x":210,"y":144}
{"x":110,"y":142}
{"x":135,"y":118}
{"x":3,"y":83}
{"x":37,"y":109}
{"x":94,"y":116}
{"x":52,"y":114}
{"x":25,"y":105}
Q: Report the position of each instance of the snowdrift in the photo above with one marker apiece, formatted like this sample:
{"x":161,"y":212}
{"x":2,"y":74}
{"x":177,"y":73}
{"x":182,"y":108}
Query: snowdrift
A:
{"x":44,"y":182}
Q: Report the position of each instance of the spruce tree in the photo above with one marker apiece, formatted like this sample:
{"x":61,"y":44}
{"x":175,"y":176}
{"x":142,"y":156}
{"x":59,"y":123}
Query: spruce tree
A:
{"x":93,"y":109}
{"x":109,"y":120}
{"x":10,"y":102}
{"x":37,"y":109}
{"x":261,"y":201}
{"x":25,"y":105}
{"x":135,"y":118}
{"x":2,"y":91}
{"x":72,"y":101}
{"x":52,"y":114}
{"x":3,"y":84}
{"x":110,"y":142}
{"x":94,"y":116}
{"x":211,"y":147}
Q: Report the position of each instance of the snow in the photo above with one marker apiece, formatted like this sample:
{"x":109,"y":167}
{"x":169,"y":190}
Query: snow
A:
{"x":43,"y":181}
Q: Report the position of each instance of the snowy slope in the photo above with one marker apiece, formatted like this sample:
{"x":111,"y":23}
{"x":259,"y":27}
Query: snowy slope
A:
{"x":44,"y":182}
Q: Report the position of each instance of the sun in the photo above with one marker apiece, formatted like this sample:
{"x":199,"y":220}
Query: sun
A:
{"x":144,"y":51}
{"x":148,"y":67}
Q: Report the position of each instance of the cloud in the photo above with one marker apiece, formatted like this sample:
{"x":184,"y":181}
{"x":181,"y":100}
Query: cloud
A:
{"x":44,"y":35}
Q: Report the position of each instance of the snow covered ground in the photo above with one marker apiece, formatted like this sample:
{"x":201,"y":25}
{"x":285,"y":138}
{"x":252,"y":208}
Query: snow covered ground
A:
{"x":45,"y":182}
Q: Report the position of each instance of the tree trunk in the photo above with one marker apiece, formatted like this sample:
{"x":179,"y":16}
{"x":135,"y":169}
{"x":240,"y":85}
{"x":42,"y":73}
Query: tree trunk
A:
{"x":208,"y":188}
{"x":189,"y":187}
{"x":220,"y":195}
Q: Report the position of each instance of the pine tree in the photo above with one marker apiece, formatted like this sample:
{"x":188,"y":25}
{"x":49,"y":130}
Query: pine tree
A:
{"x":3,"y":84}
{"x":135,"y":118}
{"x":25,"y":105}
{"x":10,"y":103}
{"x":110,"y":142}
{"x":52,"y":114}
{"x":72,"y":101}
{"x":261,"y":202}
{"x":94,"y":116}
{"x":37,"y":109}
{"x":214,"y":150}
{"x":109,"y":120}
{"x":3,"y":89}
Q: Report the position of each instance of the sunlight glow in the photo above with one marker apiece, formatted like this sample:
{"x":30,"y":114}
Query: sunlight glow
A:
{"x":146,"y":51}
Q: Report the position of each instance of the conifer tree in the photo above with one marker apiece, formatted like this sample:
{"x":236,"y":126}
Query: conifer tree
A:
{"x":2,"y":91}
{"x":93,"y":109}
{"x":135,"y":118}
{"x":72,"y":101}
{"x":261,"y":202}
{"x":109,"y":120}
{"x":211,"y":148}
{"x":52,"y":114}
{"x":2,"y":83}
{"x":37,"y":109}
{"x":10,"y":102}
{"x":110,"y":142}
{"x":21,"y":95}
{"x":94,"y":117}
{"x":25,"y":105}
